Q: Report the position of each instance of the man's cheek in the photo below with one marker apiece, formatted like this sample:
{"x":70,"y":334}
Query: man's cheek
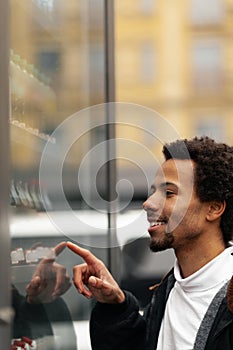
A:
{"x":177,"y":218}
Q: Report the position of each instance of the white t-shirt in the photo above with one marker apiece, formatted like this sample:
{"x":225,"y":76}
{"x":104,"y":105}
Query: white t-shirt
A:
{"x":189,"y":300}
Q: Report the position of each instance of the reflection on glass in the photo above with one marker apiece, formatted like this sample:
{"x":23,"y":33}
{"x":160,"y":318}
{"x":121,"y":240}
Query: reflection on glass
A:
{"x":42,"y":309}
{"x":56,"y":70}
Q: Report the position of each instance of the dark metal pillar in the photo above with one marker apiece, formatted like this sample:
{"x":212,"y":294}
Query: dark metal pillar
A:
{"x":5,"y":292}
{"x":110,"y":135}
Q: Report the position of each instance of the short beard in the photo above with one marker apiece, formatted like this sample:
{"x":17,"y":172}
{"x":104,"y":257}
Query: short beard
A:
{"x":159,"y":246}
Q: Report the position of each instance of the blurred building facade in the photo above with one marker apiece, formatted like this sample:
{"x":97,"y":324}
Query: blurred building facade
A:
{"x":176,"y":58}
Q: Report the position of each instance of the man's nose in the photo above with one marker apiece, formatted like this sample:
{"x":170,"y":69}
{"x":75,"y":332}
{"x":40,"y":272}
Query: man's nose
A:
{"x":152,"y":203}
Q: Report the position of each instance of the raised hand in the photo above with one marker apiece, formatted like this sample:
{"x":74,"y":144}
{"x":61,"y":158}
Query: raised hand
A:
{"x":92,"y":278}
{"x":49,"y":281}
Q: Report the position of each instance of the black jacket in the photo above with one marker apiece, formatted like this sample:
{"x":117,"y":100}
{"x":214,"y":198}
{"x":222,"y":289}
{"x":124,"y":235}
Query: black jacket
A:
{"x":121,"y":327}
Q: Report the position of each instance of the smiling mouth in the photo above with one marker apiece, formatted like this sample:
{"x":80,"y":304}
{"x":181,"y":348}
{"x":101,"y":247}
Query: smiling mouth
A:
{"x":157,"y":223}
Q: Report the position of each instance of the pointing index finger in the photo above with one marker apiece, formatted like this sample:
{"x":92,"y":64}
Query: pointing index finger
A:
{"x":59,"y":248}
{"x":83,"y":253}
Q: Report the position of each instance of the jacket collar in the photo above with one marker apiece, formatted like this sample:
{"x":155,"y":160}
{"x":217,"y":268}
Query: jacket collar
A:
{"x":230,"y":295}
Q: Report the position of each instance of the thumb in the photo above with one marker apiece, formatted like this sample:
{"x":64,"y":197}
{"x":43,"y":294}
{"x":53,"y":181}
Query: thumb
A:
{"x":96,"y":282}
{"x":34,"y":286}
{"x":35,"y":282}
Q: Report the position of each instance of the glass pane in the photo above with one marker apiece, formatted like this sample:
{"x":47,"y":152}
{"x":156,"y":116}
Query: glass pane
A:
{"x":56,"y":73}
{"x":177,"y":63}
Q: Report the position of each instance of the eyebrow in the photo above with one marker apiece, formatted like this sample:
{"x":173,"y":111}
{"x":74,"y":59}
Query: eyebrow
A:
{"x":164,"y":185}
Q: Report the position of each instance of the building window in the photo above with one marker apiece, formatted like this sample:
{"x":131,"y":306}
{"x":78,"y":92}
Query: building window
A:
{"x":148,"y":62}
{"x":207,"y":65}
{"x":207,"y":12}
{"x":147,"y":6}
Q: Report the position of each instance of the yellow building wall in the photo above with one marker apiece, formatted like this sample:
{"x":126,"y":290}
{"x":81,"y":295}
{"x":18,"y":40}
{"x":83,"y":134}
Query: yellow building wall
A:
{"x":171,"y":91}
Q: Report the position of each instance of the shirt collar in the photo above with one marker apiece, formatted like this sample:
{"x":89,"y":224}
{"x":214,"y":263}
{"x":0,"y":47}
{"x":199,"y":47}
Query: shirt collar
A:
{"x":210,"y":275}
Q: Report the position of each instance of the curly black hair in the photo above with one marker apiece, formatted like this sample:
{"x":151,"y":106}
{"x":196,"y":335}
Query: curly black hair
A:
{"x":213,"y":177}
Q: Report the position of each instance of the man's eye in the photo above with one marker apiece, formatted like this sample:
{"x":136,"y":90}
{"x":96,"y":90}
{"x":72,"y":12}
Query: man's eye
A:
{"x":169,"y":193}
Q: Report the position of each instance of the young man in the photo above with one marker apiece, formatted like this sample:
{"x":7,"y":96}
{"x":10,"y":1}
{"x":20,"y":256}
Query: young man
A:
{"x":190,"y":209}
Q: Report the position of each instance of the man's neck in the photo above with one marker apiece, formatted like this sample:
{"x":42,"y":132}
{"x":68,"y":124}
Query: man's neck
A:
{"x":193,"y":258}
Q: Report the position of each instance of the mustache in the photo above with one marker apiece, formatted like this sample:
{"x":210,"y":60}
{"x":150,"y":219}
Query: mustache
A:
{"x":152,"y":217}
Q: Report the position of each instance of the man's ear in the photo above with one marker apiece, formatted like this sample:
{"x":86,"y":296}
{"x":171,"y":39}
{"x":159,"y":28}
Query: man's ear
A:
{"x":215,"y":210}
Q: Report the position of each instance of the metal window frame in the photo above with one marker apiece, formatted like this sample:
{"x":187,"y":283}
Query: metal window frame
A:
{"x":109,"y":28}
{"x":5,"y":290}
